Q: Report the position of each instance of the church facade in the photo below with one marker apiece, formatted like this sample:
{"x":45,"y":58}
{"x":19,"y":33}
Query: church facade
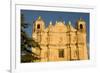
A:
{"x":60,"y":41}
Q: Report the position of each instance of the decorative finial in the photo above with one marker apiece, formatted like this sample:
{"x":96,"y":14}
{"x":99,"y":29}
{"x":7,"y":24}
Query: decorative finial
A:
{"x":50,"y":22}
{"x":39,"y":18}
{"x":69,"y":22}
{"x":64,"y":22}
{"x":81,"y":19}
{"x":56,"y":22}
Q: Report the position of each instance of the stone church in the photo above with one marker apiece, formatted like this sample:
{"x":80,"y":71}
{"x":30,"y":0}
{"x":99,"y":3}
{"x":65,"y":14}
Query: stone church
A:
{"x":60,"y":41}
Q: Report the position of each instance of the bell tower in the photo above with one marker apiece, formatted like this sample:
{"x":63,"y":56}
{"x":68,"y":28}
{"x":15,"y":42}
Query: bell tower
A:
{"x":38,"y":28}
{"x":81,"y":39}
{"x":39,"y":24}
{"x":81,"y":25}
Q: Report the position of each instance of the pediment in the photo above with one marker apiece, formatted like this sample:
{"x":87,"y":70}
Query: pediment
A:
{"x":60,"y":27}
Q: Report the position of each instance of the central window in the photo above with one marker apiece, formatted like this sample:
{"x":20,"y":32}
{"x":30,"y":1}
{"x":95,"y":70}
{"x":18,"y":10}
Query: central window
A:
{"x":61,"y":53}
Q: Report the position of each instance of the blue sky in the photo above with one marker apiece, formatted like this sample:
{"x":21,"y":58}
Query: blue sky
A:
{"x":31,"y":15}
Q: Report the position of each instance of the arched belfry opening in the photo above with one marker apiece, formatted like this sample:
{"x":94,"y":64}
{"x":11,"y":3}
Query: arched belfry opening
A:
{"x":81,"y":26}
{"x":38,"y":26}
